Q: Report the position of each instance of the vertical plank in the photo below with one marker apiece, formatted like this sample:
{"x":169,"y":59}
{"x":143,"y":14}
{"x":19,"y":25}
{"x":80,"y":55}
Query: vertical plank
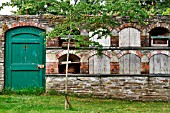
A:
{"x":132,"y":64}
{"x":121,"y":65}
{"x":137,"y":65}
{"x":97,"y":65}
{"x":126,"y":64}
{"x":168,"y":65}
{"x":157,"y":64}
{"x":91,"y":65}
{"x":106,"y":64}
{"x":138,"y":39}
{"x":164,"y":64}
{"x":124,"y":38}
{"x":134,"y":37}
{"x":151,"y":65}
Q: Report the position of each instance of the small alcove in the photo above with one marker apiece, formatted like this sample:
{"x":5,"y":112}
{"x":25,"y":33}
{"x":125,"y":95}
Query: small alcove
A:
{"x":73,"y":64}
{"x":159,"y":37}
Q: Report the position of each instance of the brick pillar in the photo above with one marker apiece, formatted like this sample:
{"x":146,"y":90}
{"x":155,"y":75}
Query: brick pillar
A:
{"x":115,"y":41}
{"x":52,"y":68}
{"x":144,"y":41}
{"x":145,"y":67}
{"x":53,"y":42}
{"x":84,"y":68}
{"x":114,"y":67}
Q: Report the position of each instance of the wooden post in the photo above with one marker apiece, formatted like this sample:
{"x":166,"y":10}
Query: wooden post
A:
{"x":67,"y":103}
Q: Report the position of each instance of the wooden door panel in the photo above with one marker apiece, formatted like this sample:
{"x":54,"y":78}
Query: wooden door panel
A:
{"x":28,"y":79}
{"x":25,"y":50}
{"x":28,"y":53}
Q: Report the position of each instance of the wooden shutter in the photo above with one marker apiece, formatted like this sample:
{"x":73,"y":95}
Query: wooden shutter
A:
{"x":129,"y":64}
{"x":159,"y":64}
{"x":99,"y":64}
{"x":104,"y":41}
{"x":129,"y":37}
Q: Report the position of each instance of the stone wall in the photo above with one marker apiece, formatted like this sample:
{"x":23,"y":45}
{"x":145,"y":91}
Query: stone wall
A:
{"x":135,"y":87}
{"x":1,"y":63}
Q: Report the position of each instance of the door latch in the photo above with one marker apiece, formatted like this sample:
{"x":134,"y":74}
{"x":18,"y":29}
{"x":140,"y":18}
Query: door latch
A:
{"x":41,"y":66}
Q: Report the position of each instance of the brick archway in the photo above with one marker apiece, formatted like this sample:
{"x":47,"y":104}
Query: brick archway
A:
{"x":158,"y":52}
{"x":61,"y":53}
{"x":163,"y":25}
{"x":119,"y":55}
{"x":132,"y":25}
{"x":20,"y":24}
{"x":92,"y":53}
{"x":6,"y":27}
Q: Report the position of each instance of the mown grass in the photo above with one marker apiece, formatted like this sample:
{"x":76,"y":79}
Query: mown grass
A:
{"x":55,"y":104}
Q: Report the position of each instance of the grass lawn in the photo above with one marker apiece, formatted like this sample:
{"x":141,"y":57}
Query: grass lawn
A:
{"x":55,"y":104}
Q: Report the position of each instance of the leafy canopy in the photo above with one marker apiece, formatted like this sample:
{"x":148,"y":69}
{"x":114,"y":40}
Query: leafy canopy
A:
{"x":54,"y":6}
{"x":92,"y":15}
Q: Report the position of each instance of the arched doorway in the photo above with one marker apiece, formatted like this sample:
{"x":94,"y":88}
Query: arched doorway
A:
{"x":24,"y":58}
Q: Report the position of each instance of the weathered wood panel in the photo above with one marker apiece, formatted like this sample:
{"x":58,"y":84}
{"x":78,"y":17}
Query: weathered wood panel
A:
{"x":129,"y":37}
{"x":124,"y":37}
{"x":126,"y":64}
{"x":104,"y":41}
{"x":99,"y":64}
{"x":159,"y":64}
{"x":132,"y":64}
{"x":138,"y":65}
{"x":164,"y":64}
{"x":129,"y":64}
{"x":91,"y":65}
{"x":121,"y":65}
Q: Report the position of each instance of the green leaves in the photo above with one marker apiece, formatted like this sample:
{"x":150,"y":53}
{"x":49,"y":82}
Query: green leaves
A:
{"x":167,"y":12}
{"x":90,"y":15}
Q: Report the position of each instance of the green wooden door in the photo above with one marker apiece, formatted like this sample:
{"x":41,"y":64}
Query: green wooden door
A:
{"x":25,"y":58}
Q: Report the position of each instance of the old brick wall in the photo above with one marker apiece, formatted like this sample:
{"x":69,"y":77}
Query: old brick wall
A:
{"x":137,"y":87}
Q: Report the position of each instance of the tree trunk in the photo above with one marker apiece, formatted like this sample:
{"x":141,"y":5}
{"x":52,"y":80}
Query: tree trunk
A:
{"x":67,"y":103}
